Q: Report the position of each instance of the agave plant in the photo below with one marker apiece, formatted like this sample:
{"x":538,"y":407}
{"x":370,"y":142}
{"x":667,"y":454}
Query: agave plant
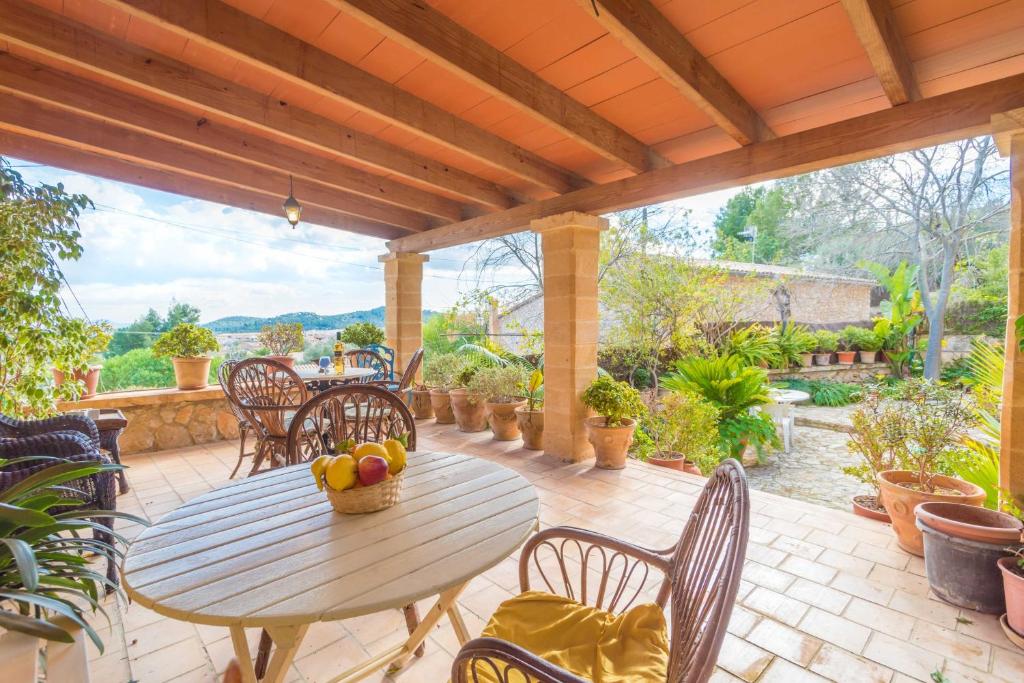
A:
{"x":43,"y":567}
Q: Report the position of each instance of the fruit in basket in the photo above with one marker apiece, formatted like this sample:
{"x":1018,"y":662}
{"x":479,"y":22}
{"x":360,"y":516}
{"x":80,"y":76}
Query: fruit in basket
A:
{"x":373,"y":469}
{"x":396,"y":455}
{"x":317,"y":467}
{"x":341,"y":472}
{"x":370,"y":448}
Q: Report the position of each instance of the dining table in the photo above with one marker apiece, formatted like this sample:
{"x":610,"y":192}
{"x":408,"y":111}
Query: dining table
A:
{"x":270,"y":552}
{"x":318,"y":380}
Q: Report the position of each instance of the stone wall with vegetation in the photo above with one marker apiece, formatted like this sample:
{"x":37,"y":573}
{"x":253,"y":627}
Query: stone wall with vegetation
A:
{"x":856,"y":373}
{"x":162,"y":419}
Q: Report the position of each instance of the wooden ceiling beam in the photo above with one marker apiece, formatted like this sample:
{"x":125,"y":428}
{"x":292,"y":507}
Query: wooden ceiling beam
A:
{"x":876,"y":29}
{"x":43,"y":32}
{"x":646,"y":32}
{"x":434,"y":36}
{"x":932,"y":121}
{"x":74,"y":159}
{"x":232,"y":32}
{"x":33,"y":119}
{"x":25,"y":79}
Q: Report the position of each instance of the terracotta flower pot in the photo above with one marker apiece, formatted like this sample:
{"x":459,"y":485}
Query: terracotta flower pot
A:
{"x":421,"y":404}
{"x":674,"y":461}
{"x":868,"y":356}
{"x":806,"y":360}
{"x":610,"y":443}
{"x":1013,"y":587}
{"x":191,"y":373}
{"x":900,"y":501}
{"x":823,"y":359}
{"x":531,"y":424}
{"x":91,"y":379}
{"x":846,"y":357}
{"x":865,"y":506}
{"x":285,"y":360}
{"x":502,"y":418}
{"x":441,"y":402}
{"x":962,"y":544}
{"x":470,"y":410}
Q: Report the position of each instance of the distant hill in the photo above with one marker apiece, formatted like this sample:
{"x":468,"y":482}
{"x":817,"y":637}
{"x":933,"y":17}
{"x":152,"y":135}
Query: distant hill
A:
{"x":310,"y":321}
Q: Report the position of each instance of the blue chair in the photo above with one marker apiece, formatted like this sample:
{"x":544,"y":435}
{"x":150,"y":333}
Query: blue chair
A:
{"x":388,"y":354}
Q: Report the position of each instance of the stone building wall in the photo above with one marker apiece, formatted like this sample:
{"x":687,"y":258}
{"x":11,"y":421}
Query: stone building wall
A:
{"x":162,"y":419}
{"x":856,"y":373}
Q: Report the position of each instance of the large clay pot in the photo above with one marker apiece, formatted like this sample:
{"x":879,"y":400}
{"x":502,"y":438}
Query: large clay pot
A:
{"x":470,"y":410}
{"x":846,"y":357}
{"x":502,"y":418}
{"x":1013,"y":587}
{"x":900,"y":501}
{"x":823,"y":359}
{"x":806,"y":360}
{"x":531,"y":424}
{"x":422,"y":408}
{"x":91,"y":379}
{"x":610,"y":443}
{"x":441,"y":402}
{"x":962,"y":544}
{"x":285,"y":360}
{"x":862,"y":506}
{"x":868,"y":356}
{"x":674,"y":461}
{"x":191,"y":373}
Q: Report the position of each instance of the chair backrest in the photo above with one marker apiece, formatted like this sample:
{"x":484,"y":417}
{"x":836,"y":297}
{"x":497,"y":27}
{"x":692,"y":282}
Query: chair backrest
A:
{"x":350,"y":411}
{"x":266,"y":391}
{"x":705,"y":573}
{"x":388,"y":354}
{"x":364,"y":358}
{"x":223,"y":371}
{"x":410,"y":371}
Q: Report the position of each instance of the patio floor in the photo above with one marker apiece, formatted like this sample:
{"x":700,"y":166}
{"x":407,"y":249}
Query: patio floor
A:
{"x":826,"y":595}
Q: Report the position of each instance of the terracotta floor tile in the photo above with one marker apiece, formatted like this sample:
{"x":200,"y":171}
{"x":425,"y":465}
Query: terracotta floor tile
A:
{"x":820,"y":596}
{"x":170,"y":662}
{"x":1009,"y":665}
{"x":782,"y":671}
{"x":807,"y":569}
{"x":911,"y":660}
{"x":911,"y":583}
{"x":845,"y":563}
{"x":926,"y":608}
{"x":882,"y":619}
{"x":836,"y":630}
{"x":784,"y":641}
{"x":767,"y":577}
{"x":802,"y":549}
{"x":837,"y":664}
{"x":952,"y":645}
{"x":862,"y":588}
{"x":742,"y":659}
{"x":834,"y":541}
{"x":776,"y":606}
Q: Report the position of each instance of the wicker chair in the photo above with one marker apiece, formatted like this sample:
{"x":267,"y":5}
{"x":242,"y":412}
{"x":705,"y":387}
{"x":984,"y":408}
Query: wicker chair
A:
{"x":408,"y":375}
{"x":244,"y":427}
{"x":700,"y":574}
{"x":364,"y":358}
{"x":74,"y":438}
{"x":268,"y":393}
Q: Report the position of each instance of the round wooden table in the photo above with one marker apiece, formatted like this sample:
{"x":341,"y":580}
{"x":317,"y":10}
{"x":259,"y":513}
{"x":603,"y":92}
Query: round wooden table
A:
{"x":318,"y":381}
{"x":269,"y":551}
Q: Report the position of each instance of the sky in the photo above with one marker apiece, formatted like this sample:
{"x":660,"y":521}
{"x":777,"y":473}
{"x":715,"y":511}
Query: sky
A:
{"x":144,"y":249}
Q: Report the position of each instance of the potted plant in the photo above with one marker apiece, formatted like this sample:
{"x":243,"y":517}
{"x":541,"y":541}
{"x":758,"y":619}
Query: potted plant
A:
{"x":363,"y":335}
{"x":794,"y":344}
{"x":187,"y":345}
{"x":42,"y":571}
{"x":935,"y":421}
{"x":502,"y":388}
{"x":876,"y":435}
{"x":94,"y":339}
{"x":531,"y":416}
{"x":611,"y":432}
{"x":684,"y":433}
{"x":865,"y":341}
{"x":469,"y":407}
{"x":282,"y":339}
{"x":825,"y":344}
{"x":422,"y":409}
{"x":847,"y":351}
{"x":962,"y":544}
{"x":439,"y":373}
{"x":1012,"y":569}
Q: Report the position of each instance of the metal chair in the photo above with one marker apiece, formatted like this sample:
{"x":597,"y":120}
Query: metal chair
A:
{"x":700,"y":574}
{"x":243,"y":423}
{"x":407,"y":376}
{"x":364,"y":358}
{"x":388,"y":354}
{"x":268,"y":393}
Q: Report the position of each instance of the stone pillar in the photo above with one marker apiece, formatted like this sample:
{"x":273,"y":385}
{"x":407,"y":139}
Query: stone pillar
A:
{"x":570,"y":243}
{"x":1011,"y":452}
{"x":403,"y":304}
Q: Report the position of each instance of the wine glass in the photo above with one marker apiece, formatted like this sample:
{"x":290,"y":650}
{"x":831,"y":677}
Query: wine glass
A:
{"x":325,"y":364}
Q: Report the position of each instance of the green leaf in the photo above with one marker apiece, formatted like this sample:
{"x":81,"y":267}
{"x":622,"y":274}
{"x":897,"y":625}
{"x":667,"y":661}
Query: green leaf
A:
{"x":51,"y":476}
{"x":25,"y":558}
{"x":19,"y":516}
{"x":40,"y":628}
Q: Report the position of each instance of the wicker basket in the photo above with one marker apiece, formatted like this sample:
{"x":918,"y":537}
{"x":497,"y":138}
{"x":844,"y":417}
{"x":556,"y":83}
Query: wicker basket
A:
{"x":379,"y":496}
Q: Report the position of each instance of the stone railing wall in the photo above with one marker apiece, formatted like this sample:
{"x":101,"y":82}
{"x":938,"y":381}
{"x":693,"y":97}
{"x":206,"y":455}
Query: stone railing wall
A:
{"x":160,"y":419}
{"x":858,"y":372}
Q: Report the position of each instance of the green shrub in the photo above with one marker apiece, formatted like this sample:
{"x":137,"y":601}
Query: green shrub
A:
{"x":363,"y":335}
{"x":859,"y":339}
{"x":502,"y":384}
{"x":687,"y":424}
{"x":755,"y":345}
{"x":614,"y":400}
{"x":282,"y":338}
{"x":140,"y":369}
{"x":826,"y":341}
{"x":826,"y":392}
{"x":725,"y":382}
{"x":185,"y":340}
{"x":791,"y":342}
{"x":441,"y":370}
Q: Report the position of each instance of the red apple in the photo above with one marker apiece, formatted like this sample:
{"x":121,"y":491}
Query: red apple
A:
{"x":373,"y":469}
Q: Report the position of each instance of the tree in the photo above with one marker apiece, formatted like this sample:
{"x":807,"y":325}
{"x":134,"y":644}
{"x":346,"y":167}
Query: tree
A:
{"x":928,"y":207}
{"x":38,"y":230}
{"x":144,"y":331}
{"x":180,"y":313}
{"x":750,"y":226}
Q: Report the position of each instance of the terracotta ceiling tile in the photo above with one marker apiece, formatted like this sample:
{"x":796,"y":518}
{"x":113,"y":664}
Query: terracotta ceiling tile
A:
{"x":697,"y":144}
{"x":834,"y":99}
{"x":440,"y":87}
{"x":567,"y":32}
{"x":570,"y":154}
{"x":619,"y":79}
{"x":155,"y":38}
{"x":488,"y":113}
{"x":687,"y":16}
{"x":371,"y":125}
{"x":981,"y":74}
{"x":502,"y":24}
{"x":538,"y":138}
{"x":971,"y":31}
{"x":913,"y":16}
{"x":389,"y":61}
{"x":305,"y":20}
{"x":107,"y":19}
{"x":998,"y":50}
{"x":256,"y":8}
{"x":299,"y":97}
{"x":756,"y":19}
{"x":590,"y":60}
{"x":210,"y":60}
{"x":348,"y":39}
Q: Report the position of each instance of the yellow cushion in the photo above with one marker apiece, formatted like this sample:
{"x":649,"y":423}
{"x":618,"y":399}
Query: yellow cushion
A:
{"x":587,"y":641}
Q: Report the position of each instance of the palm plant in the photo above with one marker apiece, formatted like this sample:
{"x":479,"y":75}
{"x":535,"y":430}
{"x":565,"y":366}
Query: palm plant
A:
{"x":755,"y":345}
{"x":725,"y":382}
{"x":43,"y":568}
{"x":791,"y":342}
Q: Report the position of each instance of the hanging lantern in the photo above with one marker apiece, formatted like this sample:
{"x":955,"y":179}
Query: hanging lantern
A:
{"x":292,"y":208}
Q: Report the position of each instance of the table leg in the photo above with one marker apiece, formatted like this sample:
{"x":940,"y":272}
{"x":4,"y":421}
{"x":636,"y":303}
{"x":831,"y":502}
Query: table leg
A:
{"x":458,"y":625}
{"x":445,"y":605}
{"x":242,"y":654}
{"x":286,"y":643}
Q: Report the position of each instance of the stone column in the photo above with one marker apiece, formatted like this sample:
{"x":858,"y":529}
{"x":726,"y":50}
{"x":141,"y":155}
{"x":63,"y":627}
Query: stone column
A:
{"x":1011,"y":452}
{"x":570,"y":243}
{"x":403,"y":304}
